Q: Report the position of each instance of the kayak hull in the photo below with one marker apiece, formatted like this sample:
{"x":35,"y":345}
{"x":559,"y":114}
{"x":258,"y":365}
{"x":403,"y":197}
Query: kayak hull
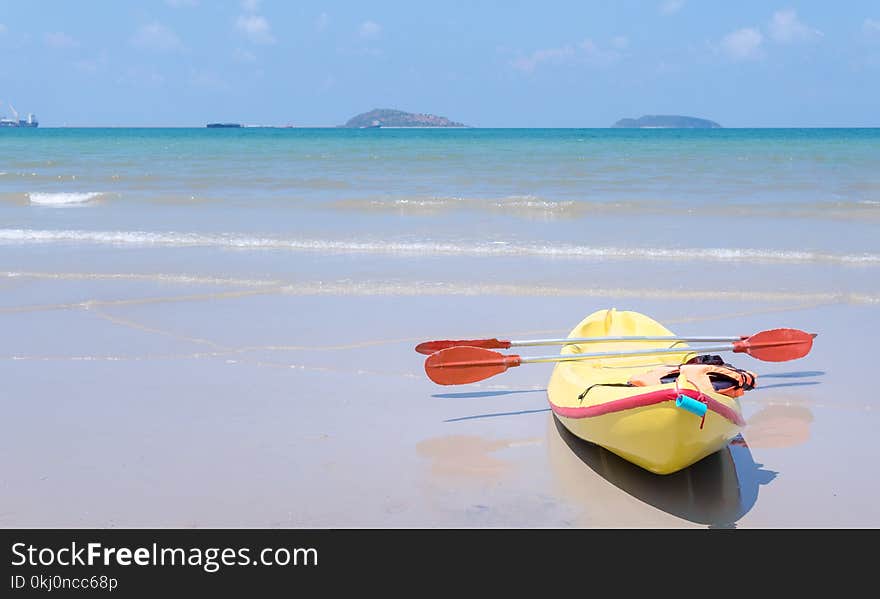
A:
{"x":640,"y":424}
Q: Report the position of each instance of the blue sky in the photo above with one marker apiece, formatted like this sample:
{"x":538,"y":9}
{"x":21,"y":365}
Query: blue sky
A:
{"x":490,"y":64}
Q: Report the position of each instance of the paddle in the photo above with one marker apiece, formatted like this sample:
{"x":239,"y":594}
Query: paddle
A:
{"x":463,"y":364}
{"x":429,"y":347}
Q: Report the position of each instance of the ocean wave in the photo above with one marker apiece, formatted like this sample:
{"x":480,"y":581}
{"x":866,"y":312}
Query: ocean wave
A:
{"x":432,"y":248}
{"x":519,"y":205}
{"x":531,"y":206}
{"x":62,"y":198}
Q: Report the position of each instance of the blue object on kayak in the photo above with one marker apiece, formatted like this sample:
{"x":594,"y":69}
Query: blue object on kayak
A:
{"x":691,"y":405}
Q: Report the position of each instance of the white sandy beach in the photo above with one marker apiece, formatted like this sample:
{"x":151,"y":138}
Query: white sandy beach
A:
{"x":157,"y":402}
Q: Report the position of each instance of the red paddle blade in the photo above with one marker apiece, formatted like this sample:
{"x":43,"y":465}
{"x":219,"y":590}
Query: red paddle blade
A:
{"x":429,"y":347}
{"x":776,"y":345}
{"x":463,"y":364}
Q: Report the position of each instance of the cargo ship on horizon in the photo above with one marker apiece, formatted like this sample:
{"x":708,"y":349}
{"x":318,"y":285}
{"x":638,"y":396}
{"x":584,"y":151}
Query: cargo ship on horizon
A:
{"x":30,"y":122}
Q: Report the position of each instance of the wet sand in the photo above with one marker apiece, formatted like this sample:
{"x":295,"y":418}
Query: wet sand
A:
{"x":180,"y":403}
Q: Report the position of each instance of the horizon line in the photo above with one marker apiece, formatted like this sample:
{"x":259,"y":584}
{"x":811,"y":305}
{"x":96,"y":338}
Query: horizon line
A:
{"x":287,"y":126}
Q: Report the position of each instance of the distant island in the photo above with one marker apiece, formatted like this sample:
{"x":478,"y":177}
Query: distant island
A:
{"x":666,"y":121}
{"x":388,"y":117}
{"x":223,"y":125}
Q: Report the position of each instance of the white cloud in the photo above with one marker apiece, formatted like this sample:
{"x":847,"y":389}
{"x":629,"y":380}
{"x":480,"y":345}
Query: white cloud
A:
{"x":586,"y":52}
{"x":743,"y":44}
{"x":256,"y":28}
{"x":250,"y":5}
{"x":322,"y":21}
{"x":369,"y":30}
{"x":786,"y":28}
{"x":620,"y":42}
{"x":59,"y":39}
{"x":3,"y":28}
{"x":156,"y":37}
{"x":670,"y":7}
{"x":870,"y":27}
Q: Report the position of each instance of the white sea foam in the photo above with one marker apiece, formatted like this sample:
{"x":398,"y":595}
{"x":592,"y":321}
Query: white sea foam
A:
{"x":530,"y":206}
{"x":164,"y":278}
{"x":63,"y":198}
{"x":522,"y":204}
{"x":431,"y":248}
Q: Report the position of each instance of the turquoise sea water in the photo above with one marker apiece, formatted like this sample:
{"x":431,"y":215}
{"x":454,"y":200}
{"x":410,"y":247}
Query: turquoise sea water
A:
{"x":790,"y":211}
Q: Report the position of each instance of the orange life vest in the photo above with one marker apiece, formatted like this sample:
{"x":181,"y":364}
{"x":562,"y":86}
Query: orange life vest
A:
{"x":708,"y":373}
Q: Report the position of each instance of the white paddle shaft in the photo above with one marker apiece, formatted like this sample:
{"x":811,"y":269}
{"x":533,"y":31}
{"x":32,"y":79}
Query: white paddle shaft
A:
{"x":614,"y":354}
{"x":571,"y":340}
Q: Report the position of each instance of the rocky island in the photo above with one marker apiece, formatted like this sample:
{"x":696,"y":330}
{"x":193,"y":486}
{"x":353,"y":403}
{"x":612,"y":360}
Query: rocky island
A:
{"x":666,"y":121}
{"x":387,"y":117}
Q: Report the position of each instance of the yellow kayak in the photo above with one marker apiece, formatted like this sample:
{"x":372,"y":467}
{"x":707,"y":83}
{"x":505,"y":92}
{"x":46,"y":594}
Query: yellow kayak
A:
{"x":641,"y":424}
